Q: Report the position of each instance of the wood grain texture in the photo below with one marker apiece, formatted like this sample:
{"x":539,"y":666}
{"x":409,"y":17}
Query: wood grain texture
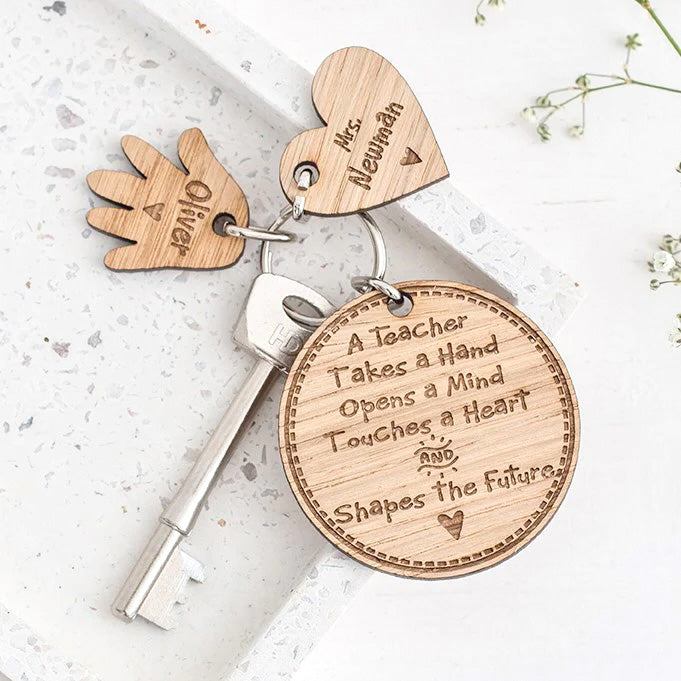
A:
{"x":431,"y":445}
{"x":168,"y":214}
{"x":377,"y":144}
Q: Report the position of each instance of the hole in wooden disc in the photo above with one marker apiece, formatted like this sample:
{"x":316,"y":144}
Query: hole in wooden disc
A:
{"x":401,"y":308}
{"x":220,"y":223}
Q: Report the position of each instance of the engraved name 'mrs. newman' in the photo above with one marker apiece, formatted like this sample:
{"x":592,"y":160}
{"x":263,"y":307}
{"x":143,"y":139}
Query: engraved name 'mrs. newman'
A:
{"x":375,"y":148}
{"x":190,"y":212}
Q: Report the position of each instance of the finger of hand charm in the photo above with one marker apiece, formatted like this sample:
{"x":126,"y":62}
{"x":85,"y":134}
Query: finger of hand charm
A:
{"x":168,"y":213}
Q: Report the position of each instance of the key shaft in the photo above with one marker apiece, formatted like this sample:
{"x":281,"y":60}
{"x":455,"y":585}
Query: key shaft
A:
{"x":183,"y":511}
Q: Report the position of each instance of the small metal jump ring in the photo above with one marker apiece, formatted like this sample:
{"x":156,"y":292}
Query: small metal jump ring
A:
{"x":307,"y":175}
{"x":365,"y":284}
{"x":259,"y":233}
{"x":378,"y":247}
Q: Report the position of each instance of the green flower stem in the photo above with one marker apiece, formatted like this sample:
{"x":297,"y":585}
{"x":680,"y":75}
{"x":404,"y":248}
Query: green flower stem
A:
{"x":661,"y":26}
{"x":583,"y":113}
{"x":657,"y":87}
{"x":555,"y":92}
{"x":614,"y":76}
{"x":583,"y":93}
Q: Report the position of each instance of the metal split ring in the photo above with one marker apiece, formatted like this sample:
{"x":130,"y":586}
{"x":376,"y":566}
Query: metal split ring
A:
{"x":305,"y":175}
{"x":259,"y":233}
{"x":364,"y":284}
{"x":377,"y":273}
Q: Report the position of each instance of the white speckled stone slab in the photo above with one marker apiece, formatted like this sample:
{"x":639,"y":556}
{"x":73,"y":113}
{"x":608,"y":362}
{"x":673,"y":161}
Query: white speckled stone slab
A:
{"x":111,"y":383}
{"x":25,"y":656}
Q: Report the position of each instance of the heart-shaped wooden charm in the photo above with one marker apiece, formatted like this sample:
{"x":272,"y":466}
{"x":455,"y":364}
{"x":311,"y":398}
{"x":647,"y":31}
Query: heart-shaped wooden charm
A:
{"x":452,"y":524}
{"x":377,"y":145}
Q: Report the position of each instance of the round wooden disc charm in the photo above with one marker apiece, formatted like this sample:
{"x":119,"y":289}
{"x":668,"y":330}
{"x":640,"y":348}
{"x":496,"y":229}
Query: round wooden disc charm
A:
{"x":430,"y":445}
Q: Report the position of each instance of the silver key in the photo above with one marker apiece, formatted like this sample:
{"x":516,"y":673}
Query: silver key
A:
{"x":264,"y":328}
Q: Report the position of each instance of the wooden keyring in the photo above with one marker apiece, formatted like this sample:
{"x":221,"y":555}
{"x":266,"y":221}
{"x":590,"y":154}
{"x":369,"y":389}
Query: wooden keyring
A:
{"x":433,"y":444}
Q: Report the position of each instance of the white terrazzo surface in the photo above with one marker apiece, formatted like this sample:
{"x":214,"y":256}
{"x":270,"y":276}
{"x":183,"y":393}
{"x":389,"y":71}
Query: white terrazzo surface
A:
{"x":112,"y":382}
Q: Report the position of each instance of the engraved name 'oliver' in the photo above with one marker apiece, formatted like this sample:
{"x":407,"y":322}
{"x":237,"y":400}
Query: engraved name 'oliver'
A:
{"x":191,"y":211}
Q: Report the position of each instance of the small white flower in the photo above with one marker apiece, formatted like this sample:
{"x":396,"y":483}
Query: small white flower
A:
{"x":583,"y":82}
{"x":663,"y":261}
{"x":576,"y":131}
{"x":528,"y":114}
{"x":675,"y":337}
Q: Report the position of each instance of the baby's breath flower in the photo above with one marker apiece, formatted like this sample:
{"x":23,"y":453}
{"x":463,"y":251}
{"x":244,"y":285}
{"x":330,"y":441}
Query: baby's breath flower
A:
{"x":480,"y":18}
{"x":529,"y":114}
{"x":670,"y":243}
{"x":663,"y":261}
{"x":577,"y":93}
{"x":666,"y":261}
{"x":632,"y":42}
{"x":583,"y":82}
{"x":544,"y":132}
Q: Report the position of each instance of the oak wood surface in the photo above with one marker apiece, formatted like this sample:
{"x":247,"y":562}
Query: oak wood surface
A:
{"x":431,"y":445}
{"x":168,"y":214}
{"x":377,"y":144}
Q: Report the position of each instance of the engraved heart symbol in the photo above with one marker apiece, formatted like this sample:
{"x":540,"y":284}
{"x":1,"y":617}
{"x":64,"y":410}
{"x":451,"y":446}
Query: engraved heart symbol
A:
{"x":376,"y":145}
{"x":410,"y":157}
{"x":452,"y":524}
{"x":154,"y":211}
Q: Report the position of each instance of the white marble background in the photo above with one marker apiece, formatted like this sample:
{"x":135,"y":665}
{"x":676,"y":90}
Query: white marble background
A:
{"x":597,"y":596}
{"x":111,"y":382}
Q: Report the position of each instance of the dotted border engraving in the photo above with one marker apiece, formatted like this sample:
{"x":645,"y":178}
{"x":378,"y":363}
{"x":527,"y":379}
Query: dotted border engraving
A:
{"x":531,"y":525}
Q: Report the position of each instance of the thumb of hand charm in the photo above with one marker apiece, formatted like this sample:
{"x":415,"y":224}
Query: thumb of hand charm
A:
{"x":168,"y":214}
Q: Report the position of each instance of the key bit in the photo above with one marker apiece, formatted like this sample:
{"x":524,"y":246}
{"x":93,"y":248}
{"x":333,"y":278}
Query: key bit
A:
{"x":169,"y":588}
{"x":158,"y":580}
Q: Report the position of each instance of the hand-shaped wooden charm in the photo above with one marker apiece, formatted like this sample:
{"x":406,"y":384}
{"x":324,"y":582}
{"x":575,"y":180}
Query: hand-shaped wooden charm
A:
{"x":168,"y":213}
